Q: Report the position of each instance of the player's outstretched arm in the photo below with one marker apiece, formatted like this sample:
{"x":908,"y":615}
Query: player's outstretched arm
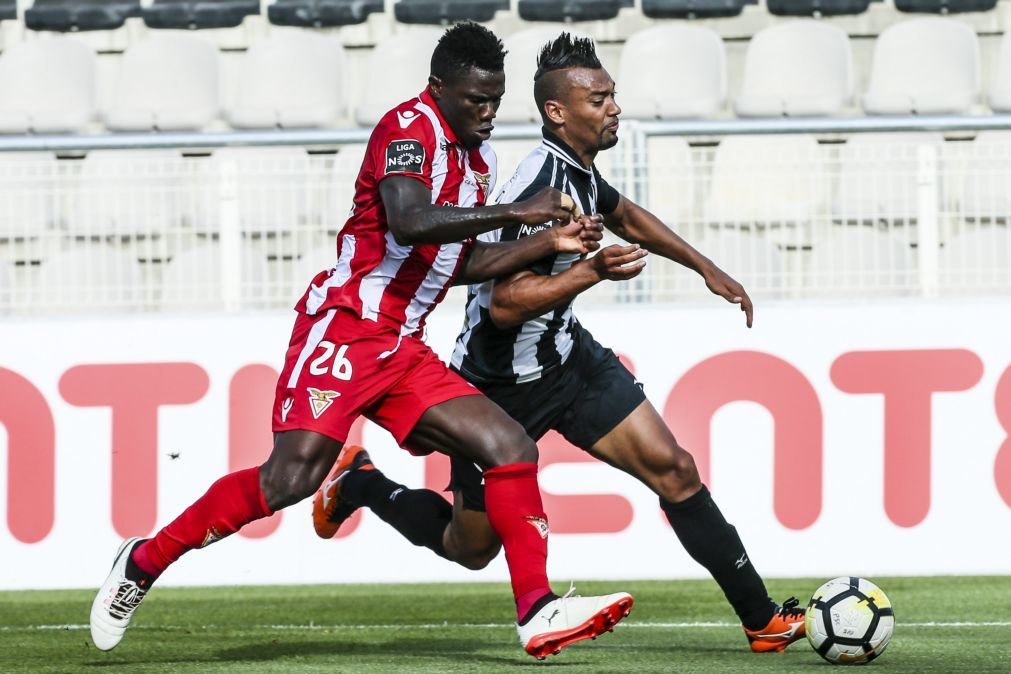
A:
{"x":527,"y":295}
{"x":637,"y":225}
{"x":413,"y":218}
{"x":487,"y":261}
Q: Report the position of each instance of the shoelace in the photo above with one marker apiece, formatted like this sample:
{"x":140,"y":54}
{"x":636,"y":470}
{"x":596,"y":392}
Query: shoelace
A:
{"x":571,"y":592}
{"x":791,"y":608}
{"x":128,"y":597}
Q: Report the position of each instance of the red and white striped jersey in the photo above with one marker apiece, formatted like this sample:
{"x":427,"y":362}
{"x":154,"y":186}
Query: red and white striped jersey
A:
{"x":375,"y":276}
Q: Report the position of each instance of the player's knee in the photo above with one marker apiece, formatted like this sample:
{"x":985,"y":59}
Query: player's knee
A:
{"x":509,"y":444}
{"x":286,"y":482}
{"x":680,"y":477}
{"x":478,"y":558}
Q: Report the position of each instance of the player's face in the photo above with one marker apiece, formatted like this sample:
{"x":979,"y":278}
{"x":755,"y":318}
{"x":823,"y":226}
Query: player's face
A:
{"x":591,"y":119}
{"x":469,"y":104}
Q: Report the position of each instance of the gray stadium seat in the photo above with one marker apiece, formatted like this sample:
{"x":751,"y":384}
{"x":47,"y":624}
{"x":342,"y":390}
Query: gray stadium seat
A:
{"x":8,"y":10}
{"x":199,"y":13}
{"x":817,"y":7}
{"x":440,"y":12}
{"x":692,"y":9}
{"x":321,"y":13}
{"x":944,"y":6}
{"x":75,"y":15}
{"x":568,"y":10}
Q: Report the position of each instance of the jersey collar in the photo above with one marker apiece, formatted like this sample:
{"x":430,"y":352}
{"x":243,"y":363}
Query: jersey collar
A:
{"x":561,"y":149}
{"x":426,"y":98}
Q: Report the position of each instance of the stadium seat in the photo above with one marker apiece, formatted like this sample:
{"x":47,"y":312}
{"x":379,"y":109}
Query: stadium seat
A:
{"x":194,"y":278}
{"x":985,"y":193}
{"x":769,"y":183}
{"x":568,"y":10}
{"x":671,"y":195}
{"x":945,"y":6}
{"x":798,"y":69}
{"x":860,"y":261}
{"x":817,"y":7}
{"x":191,"y":14}
{"x":978,"y":259}
{"x":47,"y":86}
{"x":928,"y":65}
{"x":692,"y":9}
{"x":8,"y":10}
{"x":1000,"y":89}
{"x":168,"y":82}
{"x":127,"y":193}
{"x":88,"y":279}
{"x":672,"y":71}
{"x":271,"y":187}
{"x":76,"y":15}
{"x":321,"y":13}
{"x":290,"y":80}
{"x":27,"y":194}
{"x":520,"y":65}
{"x":398,"y":63}
{"x":440,"y":12}
{"x":878,"y":177}
{"x":756,"y":262}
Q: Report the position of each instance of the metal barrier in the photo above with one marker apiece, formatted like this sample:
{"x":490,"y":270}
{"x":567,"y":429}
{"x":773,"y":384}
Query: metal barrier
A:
{"x":234,"y":221}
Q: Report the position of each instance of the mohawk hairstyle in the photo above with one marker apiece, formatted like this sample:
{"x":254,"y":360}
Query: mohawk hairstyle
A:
{"x":464,"y":46}
{"x":566,"y":51}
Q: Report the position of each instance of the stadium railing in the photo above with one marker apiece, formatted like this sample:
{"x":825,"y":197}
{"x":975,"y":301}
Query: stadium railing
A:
{"x":795,"y":208}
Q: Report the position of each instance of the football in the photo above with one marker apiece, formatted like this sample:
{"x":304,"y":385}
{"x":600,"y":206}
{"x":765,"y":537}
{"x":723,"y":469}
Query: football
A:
{"x":849,"y":621}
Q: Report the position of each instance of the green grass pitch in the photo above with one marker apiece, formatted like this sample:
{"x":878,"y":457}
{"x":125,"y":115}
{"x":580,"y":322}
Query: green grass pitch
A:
{"x":944,"y":624}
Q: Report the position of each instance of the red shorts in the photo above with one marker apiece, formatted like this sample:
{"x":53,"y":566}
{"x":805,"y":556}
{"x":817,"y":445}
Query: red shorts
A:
{"x":339,"y":367}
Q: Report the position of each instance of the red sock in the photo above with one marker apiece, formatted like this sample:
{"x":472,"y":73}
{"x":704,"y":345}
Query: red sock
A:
{"x":513,"y":501}
{"x":232,"y":502}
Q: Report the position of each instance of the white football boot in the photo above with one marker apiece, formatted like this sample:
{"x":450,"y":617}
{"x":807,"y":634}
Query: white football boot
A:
{"x":116,"y":601}
{"x":571,"y":618}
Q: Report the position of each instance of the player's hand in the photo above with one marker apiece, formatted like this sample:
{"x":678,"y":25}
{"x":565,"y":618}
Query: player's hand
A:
{"x":579,"y":236}
{"x":720,"y":283}
{"x":618,"y":263}
{"x":547,"y":205}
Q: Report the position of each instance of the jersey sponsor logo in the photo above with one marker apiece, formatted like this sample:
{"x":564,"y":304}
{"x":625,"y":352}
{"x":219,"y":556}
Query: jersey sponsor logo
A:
{"x":406,"y":117}
{"x":529,"y":230}
{"x":405,"y":156}
{"x":538,"y":523}
{"x":212,"y":536}
{"x":320,"y":401}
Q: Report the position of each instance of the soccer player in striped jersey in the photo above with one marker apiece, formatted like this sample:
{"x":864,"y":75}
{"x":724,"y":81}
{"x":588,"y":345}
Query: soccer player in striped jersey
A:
{"x":357,"y":349}
{"x":522,"y":346}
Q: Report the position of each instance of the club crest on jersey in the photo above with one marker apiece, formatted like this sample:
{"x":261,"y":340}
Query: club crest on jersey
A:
{"x":483,"y":180}
{"x":405,"y":156}
{"x":538,"y":523}
{"x":320,"y":401}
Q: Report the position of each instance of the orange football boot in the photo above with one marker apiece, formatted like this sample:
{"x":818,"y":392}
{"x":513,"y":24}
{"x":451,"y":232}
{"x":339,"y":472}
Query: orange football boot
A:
{"x":786,"y":626}
{"x":329,"y":510}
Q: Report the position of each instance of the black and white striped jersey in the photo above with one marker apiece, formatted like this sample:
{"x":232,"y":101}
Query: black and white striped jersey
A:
{"x":485,"y":352}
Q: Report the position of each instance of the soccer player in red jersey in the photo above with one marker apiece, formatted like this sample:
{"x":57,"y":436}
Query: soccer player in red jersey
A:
{"x":357,"y":349}
{"x":522,"y":346}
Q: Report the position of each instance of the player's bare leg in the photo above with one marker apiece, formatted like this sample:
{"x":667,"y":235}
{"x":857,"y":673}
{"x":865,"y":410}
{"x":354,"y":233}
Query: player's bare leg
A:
{"x":643,"y":446}
{"x":294,"y":471}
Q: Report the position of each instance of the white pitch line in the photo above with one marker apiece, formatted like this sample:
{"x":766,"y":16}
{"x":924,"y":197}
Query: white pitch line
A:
{"x":437,"y":626}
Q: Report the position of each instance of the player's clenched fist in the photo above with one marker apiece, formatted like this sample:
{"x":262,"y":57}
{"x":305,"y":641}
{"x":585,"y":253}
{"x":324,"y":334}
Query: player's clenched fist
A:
{"x":618,"y":263}
{"x":547,"y":205}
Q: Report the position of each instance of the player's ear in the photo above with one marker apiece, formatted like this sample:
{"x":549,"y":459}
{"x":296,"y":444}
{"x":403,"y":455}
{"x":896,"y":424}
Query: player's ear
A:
{"x":435,"y":86}
{"x":554,"y":112}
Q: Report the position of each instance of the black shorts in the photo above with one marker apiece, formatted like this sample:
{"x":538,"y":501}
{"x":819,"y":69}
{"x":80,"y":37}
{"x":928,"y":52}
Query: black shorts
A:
{"x":583,"y":399}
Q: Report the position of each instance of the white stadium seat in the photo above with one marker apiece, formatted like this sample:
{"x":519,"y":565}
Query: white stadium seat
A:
{"x":977,"y":259}
{"x":47,"y":86}
{"x":195,"y":277}
{"x":522,"y":48}
{"x":398,"y":68}
{"x":168,"y":82}
{"x":1000,"y":89}
{"x":272,"y":192}
{"x":767,"y":182}
{"x":672,"y":71}
{"x":799,"y":69}
{"x":87,"y":279}
{"x":860,"y":261}
{"x":291,"y":80}
{"x":27,"y":193}
{"x":878,"y":176}
{"x":924,"y":66}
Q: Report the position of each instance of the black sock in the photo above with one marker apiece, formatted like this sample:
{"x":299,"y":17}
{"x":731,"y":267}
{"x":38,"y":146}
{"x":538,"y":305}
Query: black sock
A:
{"x":420,"y":515}
{"x":713,"y":542}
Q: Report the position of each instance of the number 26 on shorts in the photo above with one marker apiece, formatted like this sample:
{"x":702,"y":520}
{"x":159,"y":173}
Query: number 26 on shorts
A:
{"x":341,"y":366}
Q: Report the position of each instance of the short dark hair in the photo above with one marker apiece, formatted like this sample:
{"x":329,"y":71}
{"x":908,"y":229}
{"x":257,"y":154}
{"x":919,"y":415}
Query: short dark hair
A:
{"x":464,"y":46}
{"x":562,"y":53}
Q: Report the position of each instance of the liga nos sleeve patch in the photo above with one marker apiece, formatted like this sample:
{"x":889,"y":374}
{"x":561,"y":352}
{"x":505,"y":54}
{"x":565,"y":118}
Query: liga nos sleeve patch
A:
{"x":405,"y":156}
